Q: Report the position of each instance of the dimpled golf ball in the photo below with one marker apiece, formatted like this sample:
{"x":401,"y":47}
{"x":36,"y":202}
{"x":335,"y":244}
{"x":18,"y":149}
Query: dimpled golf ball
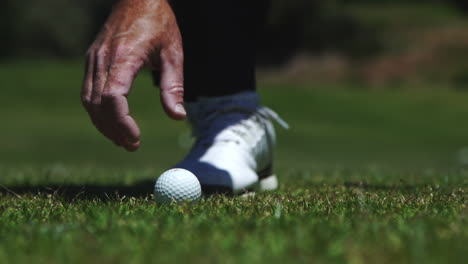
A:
{"x":177,"y":185}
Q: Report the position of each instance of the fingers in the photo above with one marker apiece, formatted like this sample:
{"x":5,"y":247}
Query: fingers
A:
{"x":100,"y":75}
{"x":114,"y":104}
{"x":124,"y":130}
{"x":171,"y":83}
{"x":87,"y":87}
{"x":104,"y":95}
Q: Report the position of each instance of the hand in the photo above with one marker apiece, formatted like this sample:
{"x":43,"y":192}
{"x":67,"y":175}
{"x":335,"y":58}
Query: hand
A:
{"x":138,"y":32}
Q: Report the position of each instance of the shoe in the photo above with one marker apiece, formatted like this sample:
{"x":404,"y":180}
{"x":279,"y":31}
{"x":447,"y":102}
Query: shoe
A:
{"x":235,"y":138}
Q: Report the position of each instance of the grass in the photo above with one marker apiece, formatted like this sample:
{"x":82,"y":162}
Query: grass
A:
{"x":367,"y":177}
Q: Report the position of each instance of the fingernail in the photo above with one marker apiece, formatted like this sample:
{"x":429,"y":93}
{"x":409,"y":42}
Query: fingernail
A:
{"x":179,"y":108}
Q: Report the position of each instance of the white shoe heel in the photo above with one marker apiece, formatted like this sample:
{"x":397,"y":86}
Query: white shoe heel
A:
{"x":269,"y":183}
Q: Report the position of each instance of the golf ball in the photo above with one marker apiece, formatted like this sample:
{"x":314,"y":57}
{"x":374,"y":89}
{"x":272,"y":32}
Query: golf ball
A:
{"x":177,"y":185}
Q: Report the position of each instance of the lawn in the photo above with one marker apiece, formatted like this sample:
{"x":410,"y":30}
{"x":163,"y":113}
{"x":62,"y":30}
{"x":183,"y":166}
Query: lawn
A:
{"x":367,"y":177}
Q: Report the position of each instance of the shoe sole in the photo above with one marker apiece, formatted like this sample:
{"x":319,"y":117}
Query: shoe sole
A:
{"x":267,"y":184}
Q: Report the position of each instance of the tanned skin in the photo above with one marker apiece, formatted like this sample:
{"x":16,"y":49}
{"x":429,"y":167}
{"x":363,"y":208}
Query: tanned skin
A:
{"x":137,"y":33}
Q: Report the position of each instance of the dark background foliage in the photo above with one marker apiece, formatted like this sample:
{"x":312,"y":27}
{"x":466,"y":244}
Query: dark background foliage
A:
{"x":64,"y":28}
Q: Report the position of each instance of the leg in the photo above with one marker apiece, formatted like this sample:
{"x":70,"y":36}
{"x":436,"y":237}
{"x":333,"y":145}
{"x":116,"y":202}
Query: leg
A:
{"x":219,"y":38}
{"x":235,"y":137}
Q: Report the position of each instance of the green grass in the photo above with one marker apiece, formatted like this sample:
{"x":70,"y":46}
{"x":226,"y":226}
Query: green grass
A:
{"x":367,"y":177}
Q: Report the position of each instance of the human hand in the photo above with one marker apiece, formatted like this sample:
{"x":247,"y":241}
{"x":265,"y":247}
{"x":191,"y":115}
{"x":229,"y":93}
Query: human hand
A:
{"x":138,"y":32}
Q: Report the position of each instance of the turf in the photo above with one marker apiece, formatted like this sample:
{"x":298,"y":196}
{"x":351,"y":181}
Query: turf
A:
{"x":367,"y":177}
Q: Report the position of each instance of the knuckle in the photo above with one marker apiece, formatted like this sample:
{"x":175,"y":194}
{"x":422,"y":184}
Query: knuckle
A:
{"x":173,"y":54}
{"x":108,"y":95}
{"x":102,"y":52}
{"x":122,"y":50}
{"x":176,"y":88}
{"x":95,"y":102}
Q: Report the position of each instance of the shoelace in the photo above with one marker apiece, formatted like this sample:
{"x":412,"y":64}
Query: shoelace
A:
{"x":264,"y":113}
{"x":270,"y":114}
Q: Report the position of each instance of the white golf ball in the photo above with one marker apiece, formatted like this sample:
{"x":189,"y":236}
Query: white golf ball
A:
{"x":177,"y":185}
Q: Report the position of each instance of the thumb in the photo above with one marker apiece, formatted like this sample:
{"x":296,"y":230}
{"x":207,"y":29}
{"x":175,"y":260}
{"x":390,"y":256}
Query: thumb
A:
{"x":172,"y":81}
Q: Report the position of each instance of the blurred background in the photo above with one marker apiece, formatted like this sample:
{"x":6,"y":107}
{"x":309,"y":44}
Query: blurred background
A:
{"x":382,"y":42}
{"x":362,"y":83}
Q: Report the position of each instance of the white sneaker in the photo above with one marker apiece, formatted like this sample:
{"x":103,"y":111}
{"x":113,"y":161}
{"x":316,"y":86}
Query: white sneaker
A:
{"x":234,"y":144}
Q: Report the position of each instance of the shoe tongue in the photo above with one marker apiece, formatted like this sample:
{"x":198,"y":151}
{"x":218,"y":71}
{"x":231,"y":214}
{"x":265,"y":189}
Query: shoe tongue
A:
{"x":199,"y":112}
